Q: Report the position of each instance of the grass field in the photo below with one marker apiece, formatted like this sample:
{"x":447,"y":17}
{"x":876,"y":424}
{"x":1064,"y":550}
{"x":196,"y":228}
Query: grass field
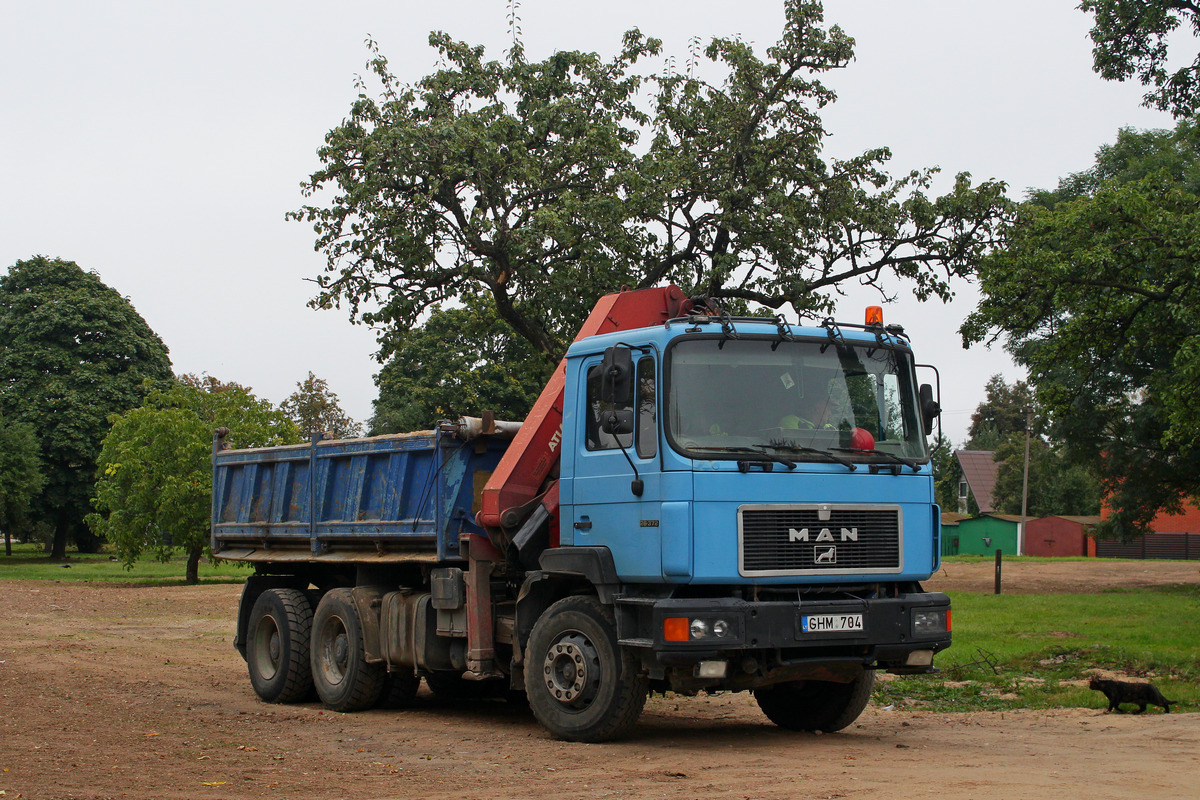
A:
{"x":1038,"y":651}
{"x":29,"y":562}
{"x":1010,"y":651}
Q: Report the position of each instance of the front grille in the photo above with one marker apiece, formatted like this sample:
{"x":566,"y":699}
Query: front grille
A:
{"x":820,"y":539}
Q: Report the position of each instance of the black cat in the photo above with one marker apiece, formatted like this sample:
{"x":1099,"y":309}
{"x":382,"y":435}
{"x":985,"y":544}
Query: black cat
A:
{"x":1140,"y":694}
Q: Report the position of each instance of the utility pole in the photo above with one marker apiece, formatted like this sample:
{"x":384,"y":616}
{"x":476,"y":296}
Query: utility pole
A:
{"x":1025,"y":483}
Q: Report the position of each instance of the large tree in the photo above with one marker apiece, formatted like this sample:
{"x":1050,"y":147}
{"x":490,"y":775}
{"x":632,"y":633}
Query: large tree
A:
{"x":1010,"y":417}
{"x":154,"y":472}
{"x":21,"y":477}
{"x":1005,"y":410}
{"x":72,"y":351}
{"x":315,"y":410}
{"x":544,"y":184}
{"x":1096,"y":290}
{"x":462,"y":361}
{"x":1131,"y":38}
{"x":1056,"y":486}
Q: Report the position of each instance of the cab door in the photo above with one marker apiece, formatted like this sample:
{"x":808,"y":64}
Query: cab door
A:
{"x":606,"y":511}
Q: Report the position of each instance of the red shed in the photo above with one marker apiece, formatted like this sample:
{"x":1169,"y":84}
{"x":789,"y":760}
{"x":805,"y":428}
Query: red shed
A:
{"x":1060,"y":536}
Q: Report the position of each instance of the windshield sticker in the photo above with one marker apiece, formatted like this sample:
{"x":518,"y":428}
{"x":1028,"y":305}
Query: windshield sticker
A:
{"x":786,"y":380}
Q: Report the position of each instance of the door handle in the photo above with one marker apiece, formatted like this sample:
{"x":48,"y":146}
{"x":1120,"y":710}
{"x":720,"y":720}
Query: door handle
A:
{"x":583,"y":525}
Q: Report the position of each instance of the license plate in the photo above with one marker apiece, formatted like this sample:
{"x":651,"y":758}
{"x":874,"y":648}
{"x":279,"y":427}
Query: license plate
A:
{"x":831,"y":623}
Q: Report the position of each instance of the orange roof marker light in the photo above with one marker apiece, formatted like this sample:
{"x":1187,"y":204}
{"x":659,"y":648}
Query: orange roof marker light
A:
{"x":875,"y":315}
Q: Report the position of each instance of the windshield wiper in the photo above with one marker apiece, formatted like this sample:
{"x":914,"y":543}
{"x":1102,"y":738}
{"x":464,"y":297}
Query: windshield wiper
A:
{"x":758,"y":451}
{"x":799,"y":448}
{"x":895,"y":459}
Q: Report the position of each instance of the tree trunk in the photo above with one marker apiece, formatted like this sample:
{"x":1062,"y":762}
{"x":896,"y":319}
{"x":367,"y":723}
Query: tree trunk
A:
{"x":193,"y":565}
{"x":7,"y":543}
{"x":58,"y":549}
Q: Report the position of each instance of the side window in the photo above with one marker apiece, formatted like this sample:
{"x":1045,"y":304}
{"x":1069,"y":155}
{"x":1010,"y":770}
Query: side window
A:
{"x":647,"y":403}
{"x":596,"y":438}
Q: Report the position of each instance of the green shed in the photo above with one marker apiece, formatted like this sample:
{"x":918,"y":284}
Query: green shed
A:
{"x":950,"y":522}
{"x":983,"y":536}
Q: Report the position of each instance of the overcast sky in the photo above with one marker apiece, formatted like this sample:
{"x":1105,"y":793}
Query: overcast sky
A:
{"x":160,"y":144}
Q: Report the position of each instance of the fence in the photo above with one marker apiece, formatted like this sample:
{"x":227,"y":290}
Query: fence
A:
{"x":1174,"y":546}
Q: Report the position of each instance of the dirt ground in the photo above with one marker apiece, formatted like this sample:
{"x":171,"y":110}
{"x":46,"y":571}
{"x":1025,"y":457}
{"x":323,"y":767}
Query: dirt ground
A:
{"x":119,"y":692}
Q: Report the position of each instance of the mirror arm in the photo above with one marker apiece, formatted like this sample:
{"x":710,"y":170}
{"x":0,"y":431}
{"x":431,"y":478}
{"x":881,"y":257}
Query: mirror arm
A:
{"x":637,"y":486}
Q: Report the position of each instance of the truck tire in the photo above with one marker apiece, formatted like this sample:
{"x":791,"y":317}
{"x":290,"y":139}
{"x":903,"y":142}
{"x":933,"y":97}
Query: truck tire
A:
{"x":344,"y":679}
{"x":277,"y":646}
{"x":399,"y":689}
{"x":582,"y":686}
{"x":816,"y":705}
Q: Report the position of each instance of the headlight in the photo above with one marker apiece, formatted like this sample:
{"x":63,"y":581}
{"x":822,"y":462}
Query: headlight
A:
{"x":925,"y":623}
{"x":692,"y":629}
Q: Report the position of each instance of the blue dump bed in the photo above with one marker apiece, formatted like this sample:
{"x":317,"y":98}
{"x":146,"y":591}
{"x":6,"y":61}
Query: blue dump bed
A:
{"x":405,"y":497}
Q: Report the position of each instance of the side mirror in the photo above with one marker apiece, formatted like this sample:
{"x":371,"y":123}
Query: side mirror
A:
{"x":617,"y":422}
{"x":930,"y":409}
{"x":616,"y":382}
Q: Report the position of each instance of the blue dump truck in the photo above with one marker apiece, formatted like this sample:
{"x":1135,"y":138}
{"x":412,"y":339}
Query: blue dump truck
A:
{"x":697,"y":502}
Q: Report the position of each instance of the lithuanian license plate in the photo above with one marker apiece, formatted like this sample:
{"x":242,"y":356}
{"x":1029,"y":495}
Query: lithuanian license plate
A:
{"x":831,"y":623}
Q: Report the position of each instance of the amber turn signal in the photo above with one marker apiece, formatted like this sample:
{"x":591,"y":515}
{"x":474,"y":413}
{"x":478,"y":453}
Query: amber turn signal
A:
{"x":675,"y":629}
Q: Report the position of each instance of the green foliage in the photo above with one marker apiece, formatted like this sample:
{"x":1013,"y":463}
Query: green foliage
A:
{"x":315,"y":409}
{"x":1056,"y":486}
{"x":1130,"y":38}
{"x":1005,"y":410}
{"x":542,"y":185}
{"x":154,"y":472}
{"x":462,"y":361}
{"x":21,"y":478}
{"x":1098,"y":295}
{"x":947,"y":474}
{"x":72,"y":352}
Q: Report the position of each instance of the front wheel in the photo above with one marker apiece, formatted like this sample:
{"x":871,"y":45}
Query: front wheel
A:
{"x":277,"y":646}
{"x":816,"y":705}
{"x":582,"y":686}
{"x":344,"y":679}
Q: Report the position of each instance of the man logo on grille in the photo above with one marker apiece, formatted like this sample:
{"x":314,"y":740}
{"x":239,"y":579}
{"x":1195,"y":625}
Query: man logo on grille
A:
{"x":824,"y":555}
{"x":847,"y":535}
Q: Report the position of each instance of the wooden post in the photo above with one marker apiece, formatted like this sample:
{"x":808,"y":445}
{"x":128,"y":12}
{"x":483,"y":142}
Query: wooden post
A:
{"x":998,"y":559}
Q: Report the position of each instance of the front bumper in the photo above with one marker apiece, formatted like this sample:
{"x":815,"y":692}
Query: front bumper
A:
{"x":774,"y":631}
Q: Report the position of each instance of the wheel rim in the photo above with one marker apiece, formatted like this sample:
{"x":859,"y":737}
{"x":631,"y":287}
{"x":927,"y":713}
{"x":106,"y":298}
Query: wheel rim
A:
{"x":334,"y":646}
{"x":267,"y":647}
{"x":572,"y":670}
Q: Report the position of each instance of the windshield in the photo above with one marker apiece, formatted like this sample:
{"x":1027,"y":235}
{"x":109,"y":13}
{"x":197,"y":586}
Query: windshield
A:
{"x":793,"y":398}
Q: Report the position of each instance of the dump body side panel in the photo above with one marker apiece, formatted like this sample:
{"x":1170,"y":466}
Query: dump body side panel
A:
{"x":383,"y":498}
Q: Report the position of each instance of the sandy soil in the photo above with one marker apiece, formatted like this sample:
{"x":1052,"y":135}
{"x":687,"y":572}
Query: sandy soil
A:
{"x":115,"y":692}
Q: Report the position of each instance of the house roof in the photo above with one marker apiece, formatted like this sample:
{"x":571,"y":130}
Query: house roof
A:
{"x":1014,"y":519}
{"x":1009,"y":517}
{"x":950,"y":518}
{"x":979,"y":468}
{"x":1079,"y":520}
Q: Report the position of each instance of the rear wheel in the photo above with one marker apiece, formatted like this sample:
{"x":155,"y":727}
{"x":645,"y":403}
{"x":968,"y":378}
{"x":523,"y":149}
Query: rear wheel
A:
{"x":399,"y":689}
{"x":816,"y":705}
{"x":344,"y":679}
{"x":582,"y":686}
{"x":277,"y":646}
